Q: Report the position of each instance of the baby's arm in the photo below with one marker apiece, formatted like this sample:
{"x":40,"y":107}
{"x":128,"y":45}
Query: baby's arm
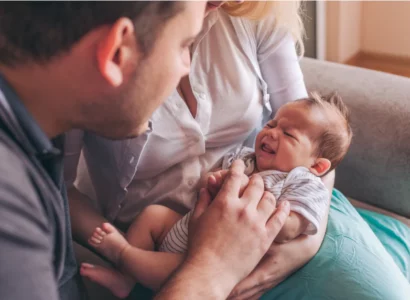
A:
{"x":295,"y":225}
{"x":309,"y":200}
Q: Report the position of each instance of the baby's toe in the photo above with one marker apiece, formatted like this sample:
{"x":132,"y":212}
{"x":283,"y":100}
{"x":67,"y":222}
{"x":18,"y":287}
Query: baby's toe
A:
{"x":94,"y":241}
{"x":100,"y":231}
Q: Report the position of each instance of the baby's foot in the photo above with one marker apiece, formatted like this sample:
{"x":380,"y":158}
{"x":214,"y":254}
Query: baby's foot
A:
{"x":119,"y":284}
{"x":109,"y":242}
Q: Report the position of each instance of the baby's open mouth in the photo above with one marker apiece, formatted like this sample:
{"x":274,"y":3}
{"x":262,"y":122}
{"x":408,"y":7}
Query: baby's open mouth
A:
{"x":268,"y":149}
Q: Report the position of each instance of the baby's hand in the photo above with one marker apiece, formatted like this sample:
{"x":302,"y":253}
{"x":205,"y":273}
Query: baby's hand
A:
{"x":215,"y":181}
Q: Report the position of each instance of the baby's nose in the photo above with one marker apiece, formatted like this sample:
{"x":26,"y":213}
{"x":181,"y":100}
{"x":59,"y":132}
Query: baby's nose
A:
{"x":273,"y":133}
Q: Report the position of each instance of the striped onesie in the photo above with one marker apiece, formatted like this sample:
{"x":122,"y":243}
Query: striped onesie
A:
{"x":306,"y":193}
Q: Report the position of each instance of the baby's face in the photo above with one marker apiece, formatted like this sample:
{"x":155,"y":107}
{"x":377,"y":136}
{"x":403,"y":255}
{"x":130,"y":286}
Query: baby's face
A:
{"x":288,"y":140}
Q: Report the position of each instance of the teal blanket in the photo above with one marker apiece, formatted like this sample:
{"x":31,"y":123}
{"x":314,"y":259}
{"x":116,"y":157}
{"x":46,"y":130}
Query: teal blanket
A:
{"x":364,"y":256}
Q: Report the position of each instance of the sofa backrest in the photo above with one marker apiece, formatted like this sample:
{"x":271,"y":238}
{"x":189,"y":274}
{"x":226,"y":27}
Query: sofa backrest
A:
{"x":376,"y":169}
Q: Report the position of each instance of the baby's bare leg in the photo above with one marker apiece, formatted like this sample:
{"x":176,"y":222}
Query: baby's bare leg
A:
{"x":149,"y":268}
{"x":110,"y":243}
{"x":151,"y":226}
{"x":147,"y":232}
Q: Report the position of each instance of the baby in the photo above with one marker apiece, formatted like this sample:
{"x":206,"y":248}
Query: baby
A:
{"x":305,"y":140}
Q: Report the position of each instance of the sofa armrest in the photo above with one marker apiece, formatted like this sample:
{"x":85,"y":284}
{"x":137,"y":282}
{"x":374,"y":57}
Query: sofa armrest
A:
{"x":376,"y":169}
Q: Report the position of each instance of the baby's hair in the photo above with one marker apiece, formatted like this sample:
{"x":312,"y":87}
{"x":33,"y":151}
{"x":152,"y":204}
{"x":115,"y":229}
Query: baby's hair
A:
{"x":335,"y":140}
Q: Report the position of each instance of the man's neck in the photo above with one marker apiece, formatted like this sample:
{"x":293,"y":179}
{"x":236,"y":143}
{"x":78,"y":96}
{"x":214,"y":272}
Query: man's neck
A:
{"x":41,"y":96}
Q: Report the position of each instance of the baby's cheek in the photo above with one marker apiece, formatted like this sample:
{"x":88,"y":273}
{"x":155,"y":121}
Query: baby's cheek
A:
{"x":258,"y":139}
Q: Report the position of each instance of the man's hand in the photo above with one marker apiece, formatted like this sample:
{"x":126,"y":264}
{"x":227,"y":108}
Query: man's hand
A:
{"x":230,"y":235}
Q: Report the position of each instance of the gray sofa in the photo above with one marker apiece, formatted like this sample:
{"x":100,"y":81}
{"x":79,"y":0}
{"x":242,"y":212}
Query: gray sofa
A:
{"x":376,"y":169}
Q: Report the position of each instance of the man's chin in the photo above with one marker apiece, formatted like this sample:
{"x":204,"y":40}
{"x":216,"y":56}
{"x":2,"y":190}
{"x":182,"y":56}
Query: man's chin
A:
{"x":122,"y":135}
{"x":139,"y":130}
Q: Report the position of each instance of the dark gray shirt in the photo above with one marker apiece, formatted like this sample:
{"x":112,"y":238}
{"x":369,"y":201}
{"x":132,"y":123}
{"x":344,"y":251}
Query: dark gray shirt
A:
{"x":36,"y":254}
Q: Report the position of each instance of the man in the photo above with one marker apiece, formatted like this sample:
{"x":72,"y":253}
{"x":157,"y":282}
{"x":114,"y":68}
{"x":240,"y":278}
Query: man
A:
{"x":102,"y":67}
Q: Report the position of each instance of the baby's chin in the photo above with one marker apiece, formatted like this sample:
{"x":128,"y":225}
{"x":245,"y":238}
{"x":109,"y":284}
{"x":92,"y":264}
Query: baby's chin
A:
{"x":263,"y":165}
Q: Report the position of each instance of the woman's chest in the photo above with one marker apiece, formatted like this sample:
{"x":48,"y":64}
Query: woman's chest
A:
{"x":229,"y":105}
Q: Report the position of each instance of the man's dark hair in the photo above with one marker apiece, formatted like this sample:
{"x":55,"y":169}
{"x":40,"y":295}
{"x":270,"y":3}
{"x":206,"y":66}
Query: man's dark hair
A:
{"x":39,"y":31}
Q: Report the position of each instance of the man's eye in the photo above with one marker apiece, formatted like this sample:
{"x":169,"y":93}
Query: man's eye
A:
{"x":268,"y":125}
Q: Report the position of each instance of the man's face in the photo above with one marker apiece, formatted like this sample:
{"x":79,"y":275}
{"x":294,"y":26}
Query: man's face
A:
{"x":125,"y":112}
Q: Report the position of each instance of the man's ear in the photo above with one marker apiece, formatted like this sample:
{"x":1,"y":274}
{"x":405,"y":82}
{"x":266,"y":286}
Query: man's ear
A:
{"x":320,"y":166}
{"x":112,"y":51}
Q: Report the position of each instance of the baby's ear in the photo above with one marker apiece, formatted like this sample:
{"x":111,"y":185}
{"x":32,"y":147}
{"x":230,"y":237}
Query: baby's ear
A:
{"x":321,"y":166}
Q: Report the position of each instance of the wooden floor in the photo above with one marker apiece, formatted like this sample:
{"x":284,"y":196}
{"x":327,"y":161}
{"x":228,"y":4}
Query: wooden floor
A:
{"x":385,"y":63}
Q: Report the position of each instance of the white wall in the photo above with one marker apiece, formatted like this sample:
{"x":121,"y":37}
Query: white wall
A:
{"x":386,"y":28}
{"x":344,"y":34}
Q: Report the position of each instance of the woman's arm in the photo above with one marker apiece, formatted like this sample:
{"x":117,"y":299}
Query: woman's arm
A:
{"x":280,"y":67}
{"x":294,"y":226}
{"x":84,"y":217}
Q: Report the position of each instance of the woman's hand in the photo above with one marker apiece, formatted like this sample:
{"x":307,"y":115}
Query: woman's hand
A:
{"x":282,"y":260}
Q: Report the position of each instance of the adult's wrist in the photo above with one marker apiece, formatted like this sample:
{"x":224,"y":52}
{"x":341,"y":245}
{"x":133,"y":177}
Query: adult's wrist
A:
{"x":212,"y":278}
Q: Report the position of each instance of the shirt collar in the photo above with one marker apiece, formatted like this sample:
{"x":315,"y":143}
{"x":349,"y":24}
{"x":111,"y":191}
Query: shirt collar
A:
{"x":40,"y":144}
{"x":209,"y":22}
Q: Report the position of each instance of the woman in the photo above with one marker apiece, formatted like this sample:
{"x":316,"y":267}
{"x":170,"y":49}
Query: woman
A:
{"x":244,"y":67}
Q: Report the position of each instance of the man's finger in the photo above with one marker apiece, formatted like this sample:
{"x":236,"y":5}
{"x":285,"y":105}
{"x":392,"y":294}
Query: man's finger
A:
{"x":221,"y":175}
{"x":278,"y":219}
{"x":254,"y":191}
{"x":202,"y":204}
{"x":232,"y":183}
{"x":267,"y":205}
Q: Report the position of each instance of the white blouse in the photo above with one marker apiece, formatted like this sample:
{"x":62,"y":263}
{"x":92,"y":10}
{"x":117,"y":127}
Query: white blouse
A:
{"x":241,"y":72}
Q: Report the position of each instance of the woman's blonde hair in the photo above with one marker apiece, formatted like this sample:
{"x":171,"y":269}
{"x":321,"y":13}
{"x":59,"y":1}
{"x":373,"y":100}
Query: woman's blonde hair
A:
{"x":287,"y":15}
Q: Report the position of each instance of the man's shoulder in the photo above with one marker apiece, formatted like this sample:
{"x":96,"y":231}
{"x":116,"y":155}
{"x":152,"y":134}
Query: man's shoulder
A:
{"x":11,"y":167}
{"x":15,"y":183}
